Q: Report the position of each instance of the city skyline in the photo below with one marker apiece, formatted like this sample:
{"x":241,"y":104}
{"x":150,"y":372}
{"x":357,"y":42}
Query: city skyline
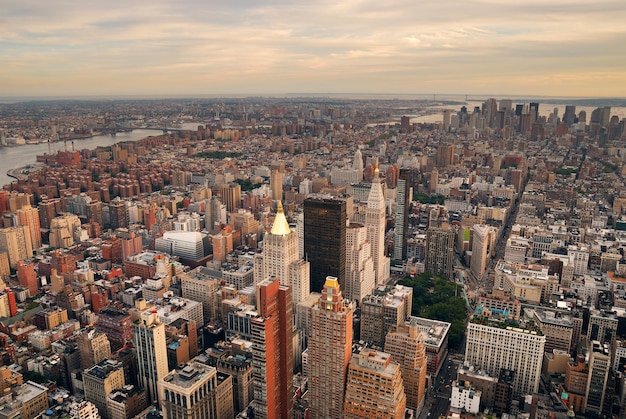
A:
{"x":565,"y":48}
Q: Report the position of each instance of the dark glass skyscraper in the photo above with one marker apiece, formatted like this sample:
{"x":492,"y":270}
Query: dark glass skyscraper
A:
{"x":325,"y":220}
{"x":403,"y":201}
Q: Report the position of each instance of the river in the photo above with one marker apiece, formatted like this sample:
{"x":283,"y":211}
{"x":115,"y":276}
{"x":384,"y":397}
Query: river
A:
{"x":23,"y":155}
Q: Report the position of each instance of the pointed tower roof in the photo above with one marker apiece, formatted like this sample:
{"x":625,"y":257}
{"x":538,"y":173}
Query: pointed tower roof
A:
{"x":280,"y":226}
{"x":376,"y":197}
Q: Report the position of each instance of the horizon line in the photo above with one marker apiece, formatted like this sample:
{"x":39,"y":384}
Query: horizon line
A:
{"x":341,"y":95}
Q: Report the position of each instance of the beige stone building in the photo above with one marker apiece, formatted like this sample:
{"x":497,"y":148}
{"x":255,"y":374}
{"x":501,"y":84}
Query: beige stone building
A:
{"x":196,"y":391}
{"x":101,"y":380}
{"x":374,"y":387}
{"x":406,"y":347}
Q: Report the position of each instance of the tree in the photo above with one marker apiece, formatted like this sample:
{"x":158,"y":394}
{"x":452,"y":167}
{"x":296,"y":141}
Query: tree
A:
{"x":437,"y":298}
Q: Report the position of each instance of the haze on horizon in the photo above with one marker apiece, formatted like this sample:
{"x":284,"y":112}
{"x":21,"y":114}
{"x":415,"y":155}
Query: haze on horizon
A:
{"x":159,"y":47}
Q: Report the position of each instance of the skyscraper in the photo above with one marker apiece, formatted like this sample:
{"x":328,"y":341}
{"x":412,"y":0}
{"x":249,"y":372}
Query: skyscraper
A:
{"x":276,"y":185}
{"x":481,"y":246}
{"x":272,"y":351}
{"x":599,"y":366}
{"x":375,"y":222}
{"x":29,"y":217}
{"x":330,"y":350}
{"x":439,"y":251}
{"x":374,"y":387}
{"x":16,"y":242}
{"x":280,"y":258}
{"x":325,"y":222}
{"x":534,"y":111}
{"x":231,"y":196}
{"x":47,"y":211}
{"x":445,"y":155}
{"x":150,"y":342}
{"x":569,"y":117}
{"x":406,"y":347}
{"x":27,"y":276}
{"x":384,"y":310}
{"x":403,"y":201}
{"x":118,"y":214}
{"x":360,"y":275}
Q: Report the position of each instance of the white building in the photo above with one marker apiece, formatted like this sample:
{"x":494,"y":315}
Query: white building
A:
{"x":375,"y":221}
{"x":281,"y":258}
{"x":184,"y":244}
{"x":360,"y":276}
{"x":149,"y":340}
{"x":492,"y":345}
{"x":464,"y":397}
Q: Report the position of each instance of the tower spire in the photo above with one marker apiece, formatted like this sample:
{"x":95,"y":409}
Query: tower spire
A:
{"x":280,"y":226}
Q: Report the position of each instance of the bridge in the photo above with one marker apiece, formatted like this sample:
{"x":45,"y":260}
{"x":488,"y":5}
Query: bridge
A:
{"x":114,"y":130}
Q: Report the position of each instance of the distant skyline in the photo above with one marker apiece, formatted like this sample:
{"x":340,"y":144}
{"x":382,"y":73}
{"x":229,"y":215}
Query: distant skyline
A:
{"x":278,"y":47}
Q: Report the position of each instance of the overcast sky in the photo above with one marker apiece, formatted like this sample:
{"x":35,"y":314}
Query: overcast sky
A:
{"x":184,"y":47}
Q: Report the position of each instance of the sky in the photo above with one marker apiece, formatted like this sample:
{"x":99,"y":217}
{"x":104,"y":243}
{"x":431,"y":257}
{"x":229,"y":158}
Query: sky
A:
{"x":272,"y":47}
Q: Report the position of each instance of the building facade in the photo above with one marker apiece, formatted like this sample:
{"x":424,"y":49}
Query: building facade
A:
{"x":329,"y":351}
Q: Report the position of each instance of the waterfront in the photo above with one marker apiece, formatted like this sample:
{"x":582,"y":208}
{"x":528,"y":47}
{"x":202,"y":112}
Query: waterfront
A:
{"x":24,"y":155}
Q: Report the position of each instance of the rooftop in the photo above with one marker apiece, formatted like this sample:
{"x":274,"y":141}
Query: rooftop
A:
{"x":189,"y":375}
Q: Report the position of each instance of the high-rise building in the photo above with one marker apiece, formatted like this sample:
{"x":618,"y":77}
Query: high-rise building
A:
{"x":47,"y":211}
{"x":29,"y":217}
{"x":348,"y":175}
{"x":280,"y":258}
{"x":383,"y":311}
{"x":445,"y":155}
{"x":440,"y":251}
{"x":93,"y":346}
{"x":374,"y":387}
{"x":534,"y":111}
{"x":481,"y":246}
{"x":602,"y":327}
{"x":272,"y":351}
{"x":325,"y":222}
{"x":127,"y":402}
{"x":15,"y":241}
{"x":200,"y":285}
{"x":569,"y":117}
{"x":240,"y":368}
{"x":375,"y":221}
{"x":329,"y":351}
{"x":276,"y":185}
{"x":116,"y":325}
{"x":64,"y":230}
{"x":360,"y":275}
{"x":491,"y":346}
{"x":403,"y":202}
{"x":406,"y":347}
{"x":27,"y":276}
{"x":101,"y":380}
{"x":405,"y":124}
{"x":5,"y":268}
{"x":599,"y":366}
{"x":231,"y":196}
{"x":118,"y":214}
{"x":447,"y":116}
{"x":94,"y":213}
{"x":150,"y":342}
{"x":195,"y":391}
{"x":433,"y":183}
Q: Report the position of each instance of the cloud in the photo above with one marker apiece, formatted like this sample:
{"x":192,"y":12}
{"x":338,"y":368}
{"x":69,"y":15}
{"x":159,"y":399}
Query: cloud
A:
{"x":277,"y":46}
